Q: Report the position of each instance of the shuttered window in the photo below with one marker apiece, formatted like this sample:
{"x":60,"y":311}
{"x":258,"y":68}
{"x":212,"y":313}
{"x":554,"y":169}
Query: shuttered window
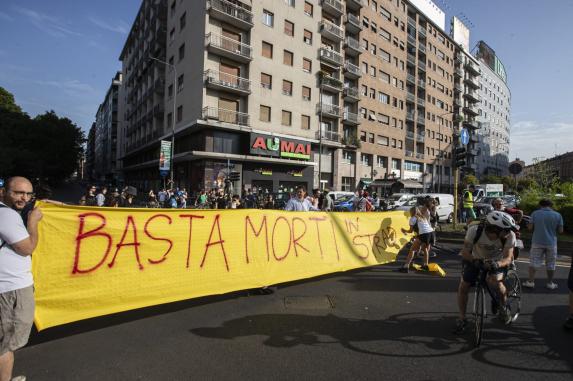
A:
{"x":306,"y":93}
{"x":288,"y":58}
{"x":305,"y":122}
{"x":286,"y":118}
{"x":289,"y":28}
{"x":266,"y":81}
{"x":306,"y":65}
{"x":308,"y":8}
{"x":287,"y":87}
{"x":267,"y":50}
{"x":265,"y":114}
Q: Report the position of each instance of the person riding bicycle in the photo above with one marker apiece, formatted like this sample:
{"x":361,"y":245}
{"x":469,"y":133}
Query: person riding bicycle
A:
{"x":488,"y":246}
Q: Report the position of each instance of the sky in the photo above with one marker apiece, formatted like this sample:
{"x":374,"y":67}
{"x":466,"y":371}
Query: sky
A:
{"x":61,"y":55}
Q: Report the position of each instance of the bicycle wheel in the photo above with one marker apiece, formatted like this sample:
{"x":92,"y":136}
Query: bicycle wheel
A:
{"x":513,"y":287}
{"x":479,"y":314}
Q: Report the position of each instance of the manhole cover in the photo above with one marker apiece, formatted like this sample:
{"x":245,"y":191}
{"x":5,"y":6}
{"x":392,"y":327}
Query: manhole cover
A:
{"x":309,"y":302}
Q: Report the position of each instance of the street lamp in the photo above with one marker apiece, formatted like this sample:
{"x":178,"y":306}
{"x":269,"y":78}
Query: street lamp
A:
{"x":172,"y":164}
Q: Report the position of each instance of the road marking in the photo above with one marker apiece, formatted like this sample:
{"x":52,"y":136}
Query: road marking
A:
{"x":557,"y":264}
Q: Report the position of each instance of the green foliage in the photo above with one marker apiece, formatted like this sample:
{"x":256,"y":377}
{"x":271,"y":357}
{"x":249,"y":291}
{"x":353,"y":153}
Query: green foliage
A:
{"x":7,"y":102}
{"x":469,"y":179}
{"x":47,"y":147}
{"x":567,"y":213}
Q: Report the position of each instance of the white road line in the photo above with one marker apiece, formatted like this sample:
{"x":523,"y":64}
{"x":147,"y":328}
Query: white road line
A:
{"x":557,"y":264}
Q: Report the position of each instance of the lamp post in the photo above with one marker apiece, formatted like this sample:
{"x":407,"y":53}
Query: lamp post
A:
{"x":172,"y":164}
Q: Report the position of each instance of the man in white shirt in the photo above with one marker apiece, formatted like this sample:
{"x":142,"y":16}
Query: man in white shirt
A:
{"x":100,"y":197}
{"x":300,"y":203}
{"x":16,"y":283}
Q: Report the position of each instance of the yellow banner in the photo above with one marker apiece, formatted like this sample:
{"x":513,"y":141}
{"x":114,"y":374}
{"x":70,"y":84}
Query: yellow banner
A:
{"x":97,"y":261}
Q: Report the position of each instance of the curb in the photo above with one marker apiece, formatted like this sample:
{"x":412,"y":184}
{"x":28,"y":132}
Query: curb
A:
{"x":562,"y":251}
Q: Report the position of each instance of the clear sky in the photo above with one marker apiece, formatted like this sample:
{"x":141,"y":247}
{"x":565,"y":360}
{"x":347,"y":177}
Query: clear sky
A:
{"x":62,"y":55}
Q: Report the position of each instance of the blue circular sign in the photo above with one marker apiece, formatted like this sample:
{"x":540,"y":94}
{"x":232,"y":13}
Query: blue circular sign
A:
{"x":163,"y":172}
{"x":465,"y":136}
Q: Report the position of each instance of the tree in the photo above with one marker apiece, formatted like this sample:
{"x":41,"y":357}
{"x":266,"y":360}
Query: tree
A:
{"x":469,"y":179}
{"x":7,"y":102}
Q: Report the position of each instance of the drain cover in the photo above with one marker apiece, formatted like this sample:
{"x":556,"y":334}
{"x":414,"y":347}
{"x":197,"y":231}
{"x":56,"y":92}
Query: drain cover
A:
{"x":309,"y":302}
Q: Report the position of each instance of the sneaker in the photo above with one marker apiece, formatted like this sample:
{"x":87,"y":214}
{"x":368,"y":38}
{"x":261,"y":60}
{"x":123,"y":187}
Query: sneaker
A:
{"x":494,"y":308}
{"x":528,"y":284}
{"x":551,"y":286}
{"x":568,"y":326}
{"x":461,"y":326}
{"x":504,"y":315}
{"x":512,"y":266}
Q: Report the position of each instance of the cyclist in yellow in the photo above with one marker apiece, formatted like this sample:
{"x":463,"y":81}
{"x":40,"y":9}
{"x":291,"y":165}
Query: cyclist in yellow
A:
{"x":469,"y":204}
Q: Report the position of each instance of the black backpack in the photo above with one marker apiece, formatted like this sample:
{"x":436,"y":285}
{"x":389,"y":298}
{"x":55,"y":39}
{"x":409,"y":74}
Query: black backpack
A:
{"x":479,"y":232}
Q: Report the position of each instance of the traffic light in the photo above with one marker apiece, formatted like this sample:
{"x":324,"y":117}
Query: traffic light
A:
{"x":460,"y":154}
{"x":234,"y":176}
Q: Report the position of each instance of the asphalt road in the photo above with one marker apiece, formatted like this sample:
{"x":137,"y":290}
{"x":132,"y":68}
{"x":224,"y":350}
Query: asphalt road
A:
{"x":363,"y":325}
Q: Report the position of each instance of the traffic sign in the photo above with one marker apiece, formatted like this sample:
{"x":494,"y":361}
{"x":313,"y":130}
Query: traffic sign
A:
{"x":164,"y":172}
{"x":465,"y":136}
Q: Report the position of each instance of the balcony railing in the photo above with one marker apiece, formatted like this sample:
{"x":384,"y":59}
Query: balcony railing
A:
{"x":410,"y":97}
{"x":331,"y":83}
{"x":354,"y":20}
{"x":422,"y":48}
{"x":411,"y":22}
{"x":472,"y":67}
{"x":333,"y":136}
{"x":226,"y":116}
{"x":329,"y":109}
{"x":421,"y":84}
{"x":351,"y":92}
{"x":351,"y":117}
{"x":412,"y":39}
{"x":231,"y":13}
{"x":421,"y":120}
{"x":419,"y":155}
{"x":422,"y":65}
{"x":228,"y":81}
{"x":410,"y":153}
{"x":330,"y":56}
{"x":229,"y":47}
{"x":330,"y":30}
{"x":353,"y":44}
{"x":356,"y":3}
{"x":422,"y":32}
{"x":410,"y":135}
{"x":410,"y":116}
{"x":334,"y":6}
{"x":421,"y":102}
{"x":411,"y":78}
{"x":412,"y":59}
{"x":352,"y":69}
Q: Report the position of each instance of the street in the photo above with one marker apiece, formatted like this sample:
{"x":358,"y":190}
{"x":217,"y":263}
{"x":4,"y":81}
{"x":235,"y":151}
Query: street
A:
{"x":370,"y":324}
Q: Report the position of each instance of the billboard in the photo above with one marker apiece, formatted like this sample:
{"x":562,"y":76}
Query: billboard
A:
{"x":274,"y":146}
{"x":460,"y":33}
{"x":488,"y":56}
{"x":432,"y":11}
{"x":165,"y":156}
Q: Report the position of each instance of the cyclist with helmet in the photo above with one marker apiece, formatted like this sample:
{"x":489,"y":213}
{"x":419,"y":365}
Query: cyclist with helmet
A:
{"x":489,"y":246}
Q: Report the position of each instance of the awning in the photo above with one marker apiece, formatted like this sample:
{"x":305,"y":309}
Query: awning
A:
{"x":366,"y":181}
{"x":411,"y":184}
{"x":382,"y":183}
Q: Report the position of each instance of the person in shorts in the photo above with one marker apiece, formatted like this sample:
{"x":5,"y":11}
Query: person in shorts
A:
{"x":16,"y":283}
{"x":488,"y":246}
{"x":545,"y":224}
{"x":420,"y":223}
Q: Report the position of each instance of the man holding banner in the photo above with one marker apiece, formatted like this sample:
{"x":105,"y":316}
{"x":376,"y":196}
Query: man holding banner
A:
{"x":16,"y":283}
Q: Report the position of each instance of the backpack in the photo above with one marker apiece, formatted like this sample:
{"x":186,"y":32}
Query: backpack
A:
{"x":479,"y":232}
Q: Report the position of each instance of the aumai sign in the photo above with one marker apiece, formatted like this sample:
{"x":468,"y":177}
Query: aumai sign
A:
{"x":275,"y":146}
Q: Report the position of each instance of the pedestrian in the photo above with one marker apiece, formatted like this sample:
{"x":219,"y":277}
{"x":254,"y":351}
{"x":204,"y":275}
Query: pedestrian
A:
{"x":300,"y":203}
{"x":360,"y":202}
{"x":236,"y":202}
{"x":468,"y":203}
{"x":152,"y":200}
{"x":327,"y":202}
{"x":161,"y":197}
{"x":16,"y":283}
{"x":90,"y":196}
{"x":413,"y":222}
{"x":100,"y":197}
{"x":545,"y":223}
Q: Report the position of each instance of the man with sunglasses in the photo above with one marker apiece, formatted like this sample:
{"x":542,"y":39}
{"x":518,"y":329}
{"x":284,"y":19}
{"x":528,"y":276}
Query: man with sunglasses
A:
{"x":490,"y":246}
{"x":16,"y":283}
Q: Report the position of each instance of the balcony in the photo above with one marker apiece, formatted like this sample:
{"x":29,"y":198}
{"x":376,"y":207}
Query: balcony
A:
{"x":421,"y":120}
{"x":473,"y":96}
{"x":351,"y":118}
{"x":410,"y":116}
{"x":422,"y":48}
{"x":351,"y":70}
{"x":420,"y":138}
{"x":331,"y":31}
{"x":331,"y":84}
{"x":471,"y":109}
{"x":353,"y":24}
{"x":421,"y":84}
{"x":159,"y":85}
{"x":457,"y":102}
{"x":352,"y":46}
{"x":422,"y":32}
{"x":458,"y":88}
{"x":222,"y":81}
{"x":411,"y":78}
{"x":225,"y":116}
{"x":410,"y":97}
{"x":230,"y":13}
{"x":332,"y":136}
{"x":331,"y":57}
{"x":472,"y":67}
{"x":422,"y":66}
{"x":421,"y":102}
{"x":420,"y":156}
{"x":356,"y":4}
{"x":334,"y":7}
{"x":327,"y":109}
{"x":229,"y":48}
{"x":412,"y":59}
{"x":471,"y":81}
{"x":409,"y":153}
{"x":411,"y":22}
{"x":412,"y":39}
{"x":472,"y":123}
{"x":410,"y":135}
{"x":458,"y":72}
{"x":351,"y":94}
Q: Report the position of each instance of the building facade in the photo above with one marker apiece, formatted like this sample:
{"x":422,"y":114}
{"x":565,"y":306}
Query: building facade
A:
{"x":560,"y":166}
{"x":494,"y":115}
{"x":337,"y":94}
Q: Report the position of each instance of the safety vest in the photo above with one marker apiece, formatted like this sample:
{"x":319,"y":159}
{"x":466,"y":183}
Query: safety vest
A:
{"x":468,"y":199}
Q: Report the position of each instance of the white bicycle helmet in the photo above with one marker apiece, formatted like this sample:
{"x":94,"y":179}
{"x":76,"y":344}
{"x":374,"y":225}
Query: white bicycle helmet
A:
{"x":501,"y":219}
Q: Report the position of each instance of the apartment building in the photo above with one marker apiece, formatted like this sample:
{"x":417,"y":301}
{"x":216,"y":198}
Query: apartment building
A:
{"x":105,"y":162}
{"x":333,"y":93}
{"x":494,"y":114}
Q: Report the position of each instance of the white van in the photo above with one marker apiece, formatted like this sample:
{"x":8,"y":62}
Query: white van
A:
{"x":337,"y":194}
{"x":399,"y":199}
{"x":445,"y":207}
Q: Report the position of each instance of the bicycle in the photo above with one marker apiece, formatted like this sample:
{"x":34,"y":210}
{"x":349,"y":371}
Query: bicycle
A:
{"x":513,"y":288}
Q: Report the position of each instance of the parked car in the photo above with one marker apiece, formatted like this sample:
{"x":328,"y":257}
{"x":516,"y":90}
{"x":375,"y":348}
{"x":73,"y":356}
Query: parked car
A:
{"x":445,"y":207}
{"x":338,"y":194}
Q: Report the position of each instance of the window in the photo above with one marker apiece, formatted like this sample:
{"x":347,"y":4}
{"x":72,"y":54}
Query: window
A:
{"x":363,"y":136}
{"x":383,"y":98}
{"x":382,"y":140}
{"x":170,"y":91}
{"x":366,"y":159}
{"x":348,"y":157}
{"x":288,"y":58}
{"x":373,"y":71}
{"x":364,"y":90}
{"x":169,"y":119}
{"x":266,"y":81}
{"x":371,"y":138}
{"x":287,"y":87}
{"x":385,"y":34}
{"x":289,"y":28}
{"x":290,"y":3}
{"x":384,"y":55}
{"x":179,"y":114}
{"x":384,"y":119}
{"x":396,"y":164}
{"x":267,"y":50}
{"x":373,"y":49}
{"x":347,"y":184}
{"x":181,"y":52}
{"x":286,"y":118}
{"x":305,"y":122}
{"x":265,"y":114}
{"x":306,"y":93}
{"x":393,"y":143}
{"x":364,"y":68}
{"x":183,"y":21}
{"x":307,"y":37}
{"x":172,"y":35}
{"x":306,"y":65}
{"x":308,"y":8}
{"x":384,"y":77}
{"x":381,"y":161}
{"x":268,"y":18}
{"x":180,"y":81}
